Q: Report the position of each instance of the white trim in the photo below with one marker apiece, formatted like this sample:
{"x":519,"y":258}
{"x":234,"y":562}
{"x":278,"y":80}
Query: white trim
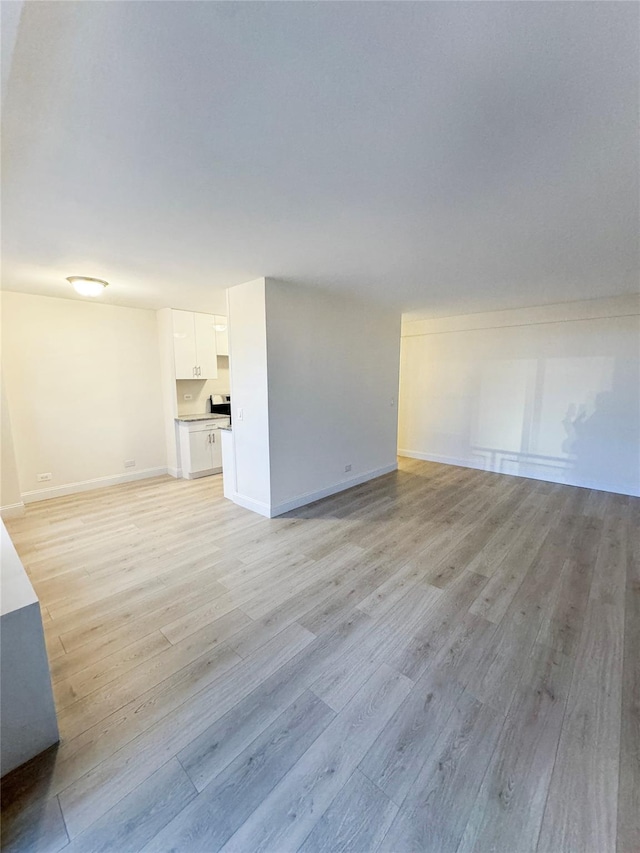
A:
{"x":254,"y":506}
{"x":12,"y":510}
{"x":527,"y":472}
{"x":88,"y":485}
{"x":303,"y":500}
{"x":445,"y":460}
{"x":175,"y":472}
{"x":196,"y":475}
{"x":627,"y":305}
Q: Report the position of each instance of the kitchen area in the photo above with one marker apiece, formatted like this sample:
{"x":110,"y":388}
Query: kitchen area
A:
{"x":196,"y":388}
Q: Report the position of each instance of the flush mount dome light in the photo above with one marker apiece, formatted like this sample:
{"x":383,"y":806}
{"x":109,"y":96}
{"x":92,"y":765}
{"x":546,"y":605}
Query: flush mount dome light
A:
{"x":87,"y":286}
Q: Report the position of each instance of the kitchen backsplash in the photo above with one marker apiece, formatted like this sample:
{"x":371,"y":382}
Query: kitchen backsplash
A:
{"x":201,"y":390}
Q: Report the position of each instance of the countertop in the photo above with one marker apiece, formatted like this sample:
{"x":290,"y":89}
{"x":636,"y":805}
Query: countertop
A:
{"x":209,"y":417}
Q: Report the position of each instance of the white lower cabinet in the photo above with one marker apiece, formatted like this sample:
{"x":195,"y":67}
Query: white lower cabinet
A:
{"x":200,"y":448}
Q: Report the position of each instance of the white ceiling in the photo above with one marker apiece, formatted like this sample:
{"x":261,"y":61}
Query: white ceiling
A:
{"x":444,"y":157}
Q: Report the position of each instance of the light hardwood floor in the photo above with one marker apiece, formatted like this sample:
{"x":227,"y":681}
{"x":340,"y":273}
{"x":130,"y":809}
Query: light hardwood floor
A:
{"x":439,"y":660}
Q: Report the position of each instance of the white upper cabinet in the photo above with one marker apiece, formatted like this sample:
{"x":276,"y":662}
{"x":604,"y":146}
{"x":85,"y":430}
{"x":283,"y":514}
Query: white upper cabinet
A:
{"x":194,"y":345}
{"x":222,"y":335}
{"x":205,"y":330}
{"x":184,"y":344}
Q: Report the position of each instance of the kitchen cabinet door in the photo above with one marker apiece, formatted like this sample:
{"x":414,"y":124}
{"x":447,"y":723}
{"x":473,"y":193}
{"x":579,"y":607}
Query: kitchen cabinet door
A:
{"x":200,"y":457}
{"x":207,"y":359}
{"x":184,"y":344}
{"x":216,"y":449}
{"x":222,"y":335}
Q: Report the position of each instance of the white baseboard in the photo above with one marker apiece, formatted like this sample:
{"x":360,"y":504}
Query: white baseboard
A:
{"x":88,"y":485}
{"x":444,"y":460}
{"x":527,"y":472}
{"x":254,"y":506}
{"x":302,"y":500}
{"x":200,"y":474}
{"x":309,"y":498}
{"x":175,"y":472}
{"x":12,"y":510}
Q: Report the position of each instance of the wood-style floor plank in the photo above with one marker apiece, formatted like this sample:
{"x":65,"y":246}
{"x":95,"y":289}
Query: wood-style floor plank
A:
{"x":223,"y":805}
{"x":194,"y":654}
{"x":210,"y":752}
{"x":438,"y":660}
{"x":357,"y":819}
{"x":628,"y":838}
{"x":581,"y":812}
{"x":288,"y":813}
{"x":397,"y":756}
{"x":140,"y":816}
{"x":90,"y":796}
{"x":435,"y":812}
{"x":512,"y":798}
{"x":38,"y":828}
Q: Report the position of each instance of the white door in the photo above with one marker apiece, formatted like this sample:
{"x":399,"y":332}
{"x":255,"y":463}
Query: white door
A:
{"x":207,"y":359}
{"x":184,"y":344}
{"x":222,"y":335}
{"x":200,"y":451}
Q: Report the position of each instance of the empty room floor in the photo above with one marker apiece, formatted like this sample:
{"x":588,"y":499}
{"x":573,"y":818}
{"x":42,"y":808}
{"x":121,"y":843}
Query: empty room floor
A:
{"x":439,"y":660}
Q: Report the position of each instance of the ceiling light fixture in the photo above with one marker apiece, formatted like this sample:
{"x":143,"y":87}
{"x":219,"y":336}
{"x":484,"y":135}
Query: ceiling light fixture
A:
{"x":87,"y":286}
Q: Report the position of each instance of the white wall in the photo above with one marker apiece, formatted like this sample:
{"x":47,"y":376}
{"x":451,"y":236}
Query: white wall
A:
{"x":10,"y":497}
{"x":168,"y":389}
{"x":246,"y":310}
{"x":202,"y":389}
{"x":333,"y":387}
{"x":10,"y":20}
{"x":83,"y":389}
{"x":316,"y":376}
{"x":551,"y":393}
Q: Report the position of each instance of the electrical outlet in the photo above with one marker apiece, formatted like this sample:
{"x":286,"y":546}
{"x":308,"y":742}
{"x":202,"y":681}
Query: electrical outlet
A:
{"x":188,"y":397}
{"x":43,"y":477}
{"x":347,"y":468}
{"x":129,"y":463}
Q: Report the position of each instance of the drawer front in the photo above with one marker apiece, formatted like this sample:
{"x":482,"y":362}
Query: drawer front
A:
{"x":204,"y":426}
